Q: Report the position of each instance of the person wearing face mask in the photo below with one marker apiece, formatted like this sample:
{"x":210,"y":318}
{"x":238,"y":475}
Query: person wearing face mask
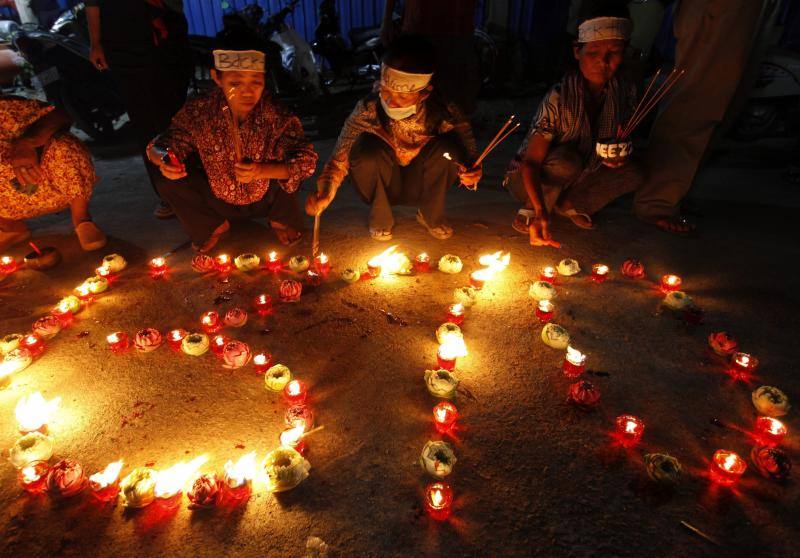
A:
{"x":234,"y":154}
{"x":393,"y":146}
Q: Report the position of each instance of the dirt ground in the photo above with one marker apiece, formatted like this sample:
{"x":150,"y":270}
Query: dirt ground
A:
{"x":535,"y":477}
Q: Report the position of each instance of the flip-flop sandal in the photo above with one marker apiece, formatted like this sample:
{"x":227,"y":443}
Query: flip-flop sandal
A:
{"x":380,"y":234}
{"x":580,"y":220}
{"x":522,"y":221}
{"x":664,"y":225}
{"x":90,"y":236}
{"x":442,"y":232}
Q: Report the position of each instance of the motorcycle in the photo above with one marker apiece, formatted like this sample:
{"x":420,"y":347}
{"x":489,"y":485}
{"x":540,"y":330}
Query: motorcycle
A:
{"x":60,"y":62}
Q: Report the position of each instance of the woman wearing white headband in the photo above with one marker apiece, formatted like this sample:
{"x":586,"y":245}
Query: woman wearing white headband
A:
{"x":393,"y":143}
{"x":556,"y":167}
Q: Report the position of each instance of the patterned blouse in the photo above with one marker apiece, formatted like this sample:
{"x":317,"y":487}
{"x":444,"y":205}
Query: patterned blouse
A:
{"x":406,"y":137}
{"x":269,"y":134}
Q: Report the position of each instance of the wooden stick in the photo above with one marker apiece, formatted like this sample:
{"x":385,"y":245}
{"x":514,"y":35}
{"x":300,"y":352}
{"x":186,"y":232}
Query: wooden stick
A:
{"x":315,"y":239}
{"x":491,"y":147}
{"x":699,"y":533}
{"x":669,"y":83}
{"x":641,"y":101}
{"x":497,"y":135}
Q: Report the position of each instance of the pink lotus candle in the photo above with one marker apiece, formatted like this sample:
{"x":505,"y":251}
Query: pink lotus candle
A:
{"x":262,"y":304}
{"x":274,"y":263}
{"x":158,"y":267}
{"x":445,"y":415}
{"x":322,"y":264}
{"x":574,"y":362}
{"x":118,"y":342}
{"x":544,"y":311}
{"x":34,"y":344}
{"x":422,"y":263}
{"x":726,"y":467}
{"x":223,"y":264}
{"x":262,"y":363}
{"x":629,"y":430}
{"x":8,"y":265}
{"x":770,"y":431}
{"x":455,"y":313}
{"x":175,"y":338}
{"x":295,"y":392}
{"x":33,"y":477}
{"x":439,"y":500}
{"x":599,"y":273}
{"x":670,"y":283}
{"x":742,"y":366}
{"x":548,"y":274}
{"x":210,"y":322}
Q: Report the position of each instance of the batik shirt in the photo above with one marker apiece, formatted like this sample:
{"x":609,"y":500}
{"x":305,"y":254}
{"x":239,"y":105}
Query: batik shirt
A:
{"x":406,"y":137}
{"x":269,"y":134}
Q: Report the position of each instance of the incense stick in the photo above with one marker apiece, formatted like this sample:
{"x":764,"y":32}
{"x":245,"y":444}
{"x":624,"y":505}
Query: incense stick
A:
{"x":641,"y":101}
{"x":492,"y":146}
{"x":494,"y":139}
{"x":652,"y":102}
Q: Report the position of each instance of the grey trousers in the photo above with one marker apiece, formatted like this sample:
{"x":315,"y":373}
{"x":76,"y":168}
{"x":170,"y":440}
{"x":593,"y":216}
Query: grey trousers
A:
{"x":563,"y":179}
{"x":714,"y":41}
{"x":381,"y":182}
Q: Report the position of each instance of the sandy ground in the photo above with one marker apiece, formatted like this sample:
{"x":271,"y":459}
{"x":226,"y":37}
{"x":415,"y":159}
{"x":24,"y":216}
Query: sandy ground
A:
{"x":534,"y":476}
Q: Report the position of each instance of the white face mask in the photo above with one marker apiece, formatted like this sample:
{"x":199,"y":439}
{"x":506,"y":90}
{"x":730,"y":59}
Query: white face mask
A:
{"x":398,"y":113}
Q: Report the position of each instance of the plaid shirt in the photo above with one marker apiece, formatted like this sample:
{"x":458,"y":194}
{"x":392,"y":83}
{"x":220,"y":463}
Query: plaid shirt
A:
{"x":269,"y":134}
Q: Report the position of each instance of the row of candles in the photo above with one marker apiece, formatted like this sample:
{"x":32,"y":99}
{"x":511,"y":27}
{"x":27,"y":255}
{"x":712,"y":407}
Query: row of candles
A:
{"x":224,"y":264}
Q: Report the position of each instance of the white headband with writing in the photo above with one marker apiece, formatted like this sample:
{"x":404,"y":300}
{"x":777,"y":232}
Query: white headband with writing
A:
{"x":403,"y":82}
{"x":602,"y":28}
{"x":239,"y":60}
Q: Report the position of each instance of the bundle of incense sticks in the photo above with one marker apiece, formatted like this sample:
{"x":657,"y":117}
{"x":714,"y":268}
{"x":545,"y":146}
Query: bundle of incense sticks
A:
{"x":504,"y":132}
{"x":650,"y":100}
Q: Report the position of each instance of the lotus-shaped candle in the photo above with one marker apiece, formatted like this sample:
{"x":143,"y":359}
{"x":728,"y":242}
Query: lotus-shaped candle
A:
{"x":466,"y":296}
{"x":299,"y":264}
{"x":147,"y":339}
{"x":662,"y":468}
{"x":568,"y":267}
{"x":235,"y":354}
{"x":47,"y":327}
{"x":771,"y":401}
{"x":633,"y":269}
{"x":205,"y":492}
{"x":290,"y":290}
{"x":542,"y":290}
{"x":195,"y":344}
{"x":437,"y":459}
{"x":677,"y":300}
{"x":447,"y":330}
{"x":451,"y":264}
{"x":10,"y":342}
{"x":138,"y":488}
{"x":247,"y":262}
{"x":441,"y":383}
{"x":277,"y":377}
{"x":350,"y":275}
{"x":555,"y":336}
{"x":583,"y":394}
{"x":722,"y":343}
{"x":65,"y":479}
{"x":285,"y":468}
{"x":235,"y":317}
{"x":31,"y":447}
{"x":203,"y":263}
{"x":114,"y":263}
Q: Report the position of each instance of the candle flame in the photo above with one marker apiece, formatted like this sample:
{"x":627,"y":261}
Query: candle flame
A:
{"x":549,"y":271}
{"x":323,"y":259}
{"x":441,"y":414}
{"x":630,"y":427}
{"x":260,"y":359}
{"x":29,"y":474}
{"x":546,"y":306}
{"x":171,"y":481}
{"x":33,"y":411}
{"x":208,"y":318}
{"x":390,"y":261}
{"x":219,"y":340}
{"x":158,"y":262}
{"x":31,"y":339}
{"x":112,"y":338}
{"x":447,"y":156}
{"x":493,"y":264}
{"x":223,"y":258}
{"x":574,"y":356}
{"x":242,"y":471}
{"x":730,"y":462}
{"x":107,"y":476}
{"x":672,"y":280}
{"x":601,"y":269}
{"x":453,"y":347}
{"x":83,"y":289}
{"x":176,"y":334}
{"x":63,"y":307}
{"x":273,"y":256}
{"x":293,"y":388}
{"x":743,"y":359}
{"x":457,"y":309}
{"x":436,"y":498}
{"x":775,"y":426}
{"x":423,"y":257}
{"x":293,"y":435}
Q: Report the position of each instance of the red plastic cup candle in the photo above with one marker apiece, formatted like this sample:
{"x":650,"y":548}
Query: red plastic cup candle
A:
{"x":373,"y":269}
{"x":770,"y":431}
{"x":295,"y":392}
{"x":175,"y":338}
{"x":158,"y":267}
{"x":445,"y":357}
{"x":103,"y":484}
{"x":33,"y":412}
{"x":478,"y":278}
{"x":223,"y":263}
{"x":742,"y":366}
{"x":63,"y":313}
{"x":455,"y":313}
{"x":105,"y":272}
{"x":293,"y":438}
{"x":262,"y":304}
{"x":84,"y":293}
{"x":544,"y":311}
{"x":34,"y":344}
{"x":218,"y":345}
{"x":444,"y":416}
{"x":670,"y":283}
{"x":322,"y":264}
{"x":118,"y":342}
{"x":549,"y":274}
{"x":210,"y":322}
{"x":274,"y":263}
{"x":422,"y":263}
{"x":33,"y":477}
{"x":629,"y":430}
{"x":439,"y":500}
{"x":574,"y":362}
{"x":599,"y":273}
{"x":238,"y":476}
{"x":726,"y":467}
{"x":8,"y":265}
{"x":262,"y":362}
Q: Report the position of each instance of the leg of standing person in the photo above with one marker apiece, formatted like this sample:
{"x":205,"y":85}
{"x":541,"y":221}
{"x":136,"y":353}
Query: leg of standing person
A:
{"x":714,"y":39}
{"x":375,"y":175}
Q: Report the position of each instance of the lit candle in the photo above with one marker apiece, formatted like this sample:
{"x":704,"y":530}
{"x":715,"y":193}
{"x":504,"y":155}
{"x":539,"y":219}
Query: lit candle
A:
{"x":210,"y":322}
{"x":295,"y":392}
{"x":239,"y":475}
{"x":478,"y":278}
{"x":322,"y":264}
{"x":574,"y":362}
{"x":63,"y":312}
{"x":770,"y":431}
{"x":158,"y":267}
{"x":33,"y":412}
{"x":175,"y":338}
{"x":439,"y":500}
{"x":313,"y":278}
{"x":742,"y":366}
{"x":84,"y":293}
{"x":105,"y":272}
{"x":262,"y":362}
{"x":34,"y":344}
{"x":548,"y":274}
{"x":103,"y":484}
{"x":422,"y":263}
{"x":263,"y":304}
{"x":118,"y":342}
{"x":274,"y":263}
{"x":218,"y":345}
{"x":293,"y":438}
{"x":455,"y":313}
{"x":444,"y":416}
{"x":670,"y":283}
{"x":373,"y":268}
{"x":726,"y":467}
{"x":629,"y":430}
{"x":33,"y":477}
{"x":223,"y":263}
{"x":445,"y":357}
{"x":170,"y":482}
{"x":544,"y":311}
{"x":599,"y":273}
{"x":8,"y":265}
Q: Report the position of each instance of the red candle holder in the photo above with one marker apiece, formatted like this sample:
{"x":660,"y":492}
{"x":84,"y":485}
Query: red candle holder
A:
{"x":295,"y":392}
{"x":444,"y":416}
{"x":8,"y":265}
{"x":158,"y":267}
{"x":742,"y":366}
{"x":34,"y":344}
{"x":210,"y":322}
{"x":237,"y":491}
{"x":64,"y":315}
{"x":422,"y":263}
{"x":478,"y":278}
{"x":670,"y":283}
{"x":322,"y":264}
{"x":84,"y":293}
{"x":262,"y":363}
{"x":175,"y":338}
{"x":293,"y":438}
{"x":217,"y":344}
{"x":439,"y":500}
{"x":726,"y":467}
{"x":373,"y":269}
{"x":544,"y":311}
{"x":105,"y":272}
{"x":548,"y":274}
{"x":313,"y":278}
{"x":33,"y":477}
{"x":118,"y":342}
{"x":574,"y":362}
{"x":770,"y":431}
{"x":455,"y":313}
{"x":445,"y":360}
{"x":223,"y":263}
{"x":274,"y":263}
{"x":599,"y":273}
{"x":629,"y":430}
{"x":262,"y":304}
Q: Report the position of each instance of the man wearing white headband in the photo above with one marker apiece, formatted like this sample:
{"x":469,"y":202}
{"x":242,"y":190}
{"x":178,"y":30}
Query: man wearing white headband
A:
{"x":393,"y":146}
{"x":557,"y":168}
{"x":234,"y":154}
